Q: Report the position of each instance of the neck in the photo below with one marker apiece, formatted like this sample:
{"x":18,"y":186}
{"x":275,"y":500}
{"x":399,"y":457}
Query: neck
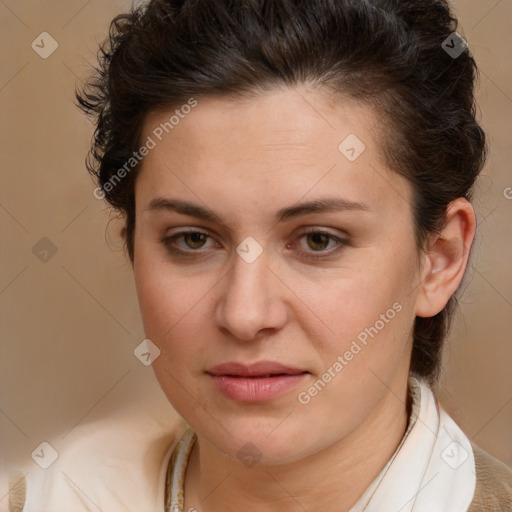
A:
{"x":331,"y":480}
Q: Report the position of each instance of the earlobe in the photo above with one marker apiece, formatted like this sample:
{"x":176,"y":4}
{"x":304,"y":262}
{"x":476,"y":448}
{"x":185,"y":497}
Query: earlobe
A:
{"x":446,"y":259}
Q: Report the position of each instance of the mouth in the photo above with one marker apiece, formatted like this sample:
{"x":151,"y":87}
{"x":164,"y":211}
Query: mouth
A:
{"x":255,"y":370}
{"x":258,"y":382}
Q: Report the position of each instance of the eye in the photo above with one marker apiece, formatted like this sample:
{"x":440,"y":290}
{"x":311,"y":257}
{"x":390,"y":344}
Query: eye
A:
{"x":319,"y":240}
{"x":193,"y":242}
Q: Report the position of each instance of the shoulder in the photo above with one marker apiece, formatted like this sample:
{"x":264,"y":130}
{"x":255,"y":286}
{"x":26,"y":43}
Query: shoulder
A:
{"x":493,"y":492}
{"x":116,"y":464}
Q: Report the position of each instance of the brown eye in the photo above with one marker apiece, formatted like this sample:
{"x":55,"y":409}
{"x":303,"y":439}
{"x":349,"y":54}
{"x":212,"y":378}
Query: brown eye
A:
{"x":194,"y":240}
{"x":186,"y":244}
{"x":319,"y":240}
{"x":317,"y":244}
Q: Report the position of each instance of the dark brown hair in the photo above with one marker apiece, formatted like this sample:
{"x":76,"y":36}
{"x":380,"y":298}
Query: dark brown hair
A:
{"x":388,"y":53}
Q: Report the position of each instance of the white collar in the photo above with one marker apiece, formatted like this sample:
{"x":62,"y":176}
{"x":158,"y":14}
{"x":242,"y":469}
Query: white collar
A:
{"x":433,"y":468}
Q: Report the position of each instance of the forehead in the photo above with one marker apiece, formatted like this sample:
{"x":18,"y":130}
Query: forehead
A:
{"x":269,"y":150}
{"x":289,"y":115}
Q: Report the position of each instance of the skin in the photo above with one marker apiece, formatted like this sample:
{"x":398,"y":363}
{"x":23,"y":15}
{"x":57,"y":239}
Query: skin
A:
{"x":245,"y":160}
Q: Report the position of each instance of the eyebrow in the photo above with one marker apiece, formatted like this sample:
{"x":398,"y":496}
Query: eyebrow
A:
{"x":327,"y":204}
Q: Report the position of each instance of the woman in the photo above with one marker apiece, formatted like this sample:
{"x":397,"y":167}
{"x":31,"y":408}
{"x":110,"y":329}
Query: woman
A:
{"x":295,"y":178}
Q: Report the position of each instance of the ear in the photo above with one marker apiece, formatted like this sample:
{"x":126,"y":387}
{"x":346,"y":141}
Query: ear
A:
{"x":446,"y":259}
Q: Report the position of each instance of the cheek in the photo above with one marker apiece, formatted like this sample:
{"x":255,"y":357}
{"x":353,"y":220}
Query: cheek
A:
{"x":173,"y":308}
{"x":372,"y":308}
{"x":371,"y":344}
{"x":173,"y":317}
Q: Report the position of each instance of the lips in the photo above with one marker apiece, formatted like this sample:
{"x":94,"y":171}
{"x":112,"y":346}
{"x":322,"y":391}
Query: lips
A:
{"x":258,"y":382}
{"x":260,"y":369}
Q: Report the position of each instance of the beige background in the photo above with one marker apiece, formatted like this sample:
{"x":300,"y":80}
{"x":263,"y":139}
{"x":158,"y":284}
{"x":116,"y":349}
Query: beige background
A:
{"x":70,"y":325}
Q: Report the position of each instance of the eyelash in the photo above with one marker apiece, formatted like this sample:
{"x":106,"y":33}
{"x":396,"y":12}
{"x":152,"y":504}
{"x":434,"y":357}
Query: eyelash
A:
{"x":167,"y":240}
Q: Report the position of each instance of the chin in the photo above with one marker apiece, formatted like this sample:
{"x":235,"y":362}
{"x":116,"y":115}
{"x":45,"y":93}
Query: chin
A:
{"x":266,"y":441}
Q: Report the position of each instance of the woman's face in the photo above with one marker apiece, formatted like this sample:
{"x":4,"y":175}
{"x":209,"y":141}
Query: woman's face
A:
{"x":266,"y":277}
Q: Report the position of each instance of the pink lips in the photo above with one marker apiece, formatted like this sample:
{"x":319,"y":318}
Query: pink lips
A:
{"x":257,"y":382}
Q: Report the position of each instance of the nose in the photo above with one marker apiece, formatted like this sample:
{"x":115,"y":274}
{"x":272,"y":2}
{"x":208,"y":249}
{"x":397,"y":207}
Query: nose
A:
{"x":251,"y":304}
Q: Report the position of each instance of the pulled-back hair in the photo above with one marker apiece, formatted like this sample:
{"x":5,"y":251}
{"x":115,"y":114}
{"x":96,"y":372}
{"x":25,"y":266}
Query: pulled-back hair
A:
{"x":387,"y":53}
